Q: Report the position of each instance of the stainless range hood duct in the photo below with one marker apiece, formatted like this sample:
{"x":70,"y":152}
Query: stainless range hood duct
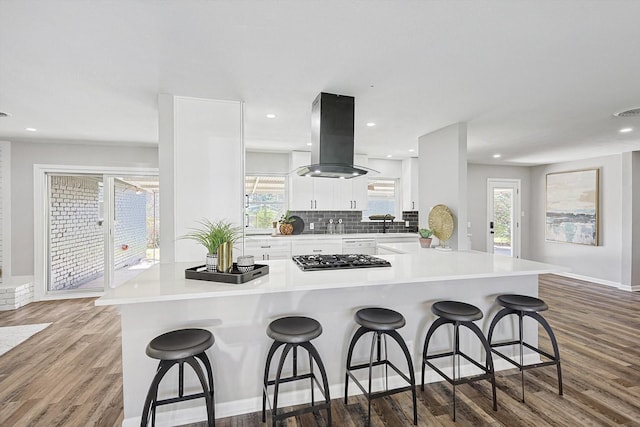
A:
{"x":332,"y":136}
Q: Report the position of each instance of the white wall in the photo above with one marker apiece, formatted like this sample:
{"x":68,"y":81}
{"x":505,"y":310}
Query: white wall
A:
{"x":443,"y":161}
{"x":259,"y":163}
{"x":601,"y":262}
{"x":25,"y":154}
{"x":5,"y":208}
{"x":388,"y":168}
{"x":477,"y":176}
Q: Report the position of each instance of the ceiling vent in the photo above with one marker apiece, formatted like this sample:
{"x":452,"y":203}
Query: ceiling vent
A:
{"x":634,"y":112}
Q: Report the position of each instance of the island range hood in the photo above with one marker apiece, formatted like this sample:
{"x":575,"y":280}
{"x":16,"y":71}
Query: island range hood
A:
{"x":332,"y":137}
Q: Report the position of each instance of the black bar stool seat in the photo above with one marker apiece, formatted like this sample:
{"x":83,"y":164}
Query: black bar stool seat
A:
{"x":459,"y":314}
{"x":292,"y":332}
{"x":382,"y":322}
{"x":180,"y":347}
{"x":525,"y":306}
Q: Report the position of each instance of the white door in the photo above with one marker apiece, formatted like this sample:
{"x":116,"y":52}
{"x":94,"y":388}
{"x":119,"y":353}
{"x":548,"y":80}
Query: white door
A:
{"x":503,"y":217}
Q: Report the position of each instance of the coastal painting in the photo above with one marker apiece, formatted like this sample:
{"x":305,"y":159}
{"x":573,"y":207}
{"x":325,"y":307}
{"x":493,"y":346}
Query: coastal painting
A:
{"x":572,"y":207}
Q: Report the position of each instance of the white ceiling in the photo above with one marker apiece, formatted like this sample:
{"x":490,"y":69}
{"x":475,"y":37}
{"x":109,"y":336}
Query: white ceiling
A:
{"x":537,"y":81}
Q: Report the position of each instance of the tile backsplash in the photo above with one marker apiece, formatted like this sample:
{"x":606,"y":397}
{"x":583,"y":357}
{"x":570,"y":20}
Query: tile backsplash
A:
{"x":353,"y":223}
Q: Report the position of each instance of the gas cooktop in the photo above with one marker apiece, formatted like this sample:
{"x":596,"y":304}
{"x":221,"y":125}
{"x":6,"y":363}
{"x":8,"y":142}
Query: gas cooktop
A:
{"x":338,"y":261}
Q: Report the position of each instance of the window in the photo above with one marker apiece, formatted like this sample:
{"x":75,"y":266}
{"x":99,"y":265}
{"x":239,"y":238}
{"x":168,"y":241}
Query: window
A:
{"x":381,"y":197}
{"x":265,"y":200}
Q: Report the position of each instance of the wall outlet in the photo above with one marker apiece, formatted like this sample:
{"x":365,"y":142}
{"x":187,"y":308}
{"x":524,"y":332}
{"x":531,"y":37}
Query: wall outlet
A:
{"x":406,"y":223}
{"x":311,"y":226}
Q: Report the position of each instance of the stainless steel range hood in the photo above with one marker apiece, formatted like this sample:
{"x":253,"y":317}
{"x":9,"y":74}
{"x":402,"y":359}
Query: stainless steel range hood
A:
{"x":332,"y":136}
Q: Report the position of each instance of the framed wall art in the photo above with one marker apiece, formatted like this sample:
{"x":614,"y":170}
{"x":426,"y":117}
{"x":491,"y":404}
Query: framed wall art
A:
{"x":571,"y":214}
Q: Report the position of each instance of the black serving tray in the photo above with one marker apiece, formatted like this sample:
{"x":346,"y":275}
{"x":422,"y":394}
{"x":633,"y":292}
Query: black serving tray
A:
{"x":235,"y":276}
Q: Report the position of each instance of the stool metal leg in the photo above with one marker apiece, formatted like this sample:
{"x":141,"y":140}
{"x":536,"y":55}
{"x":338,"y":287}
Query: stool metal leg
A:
{"x":207,"y":364}
{"x":374,"y":339}
{"x":435,"y":325}
{"x":203,"y":381}
{"x":311,"y":378}
{"x":325,"y":382}
{"x":267,"y":365}
{"x":274,"y":413}
{"x":456,"y":350}
{"x":412,"y":376}
{"x":554,"y":344}
{"x":360,"y":332}
{"x":520,"y":333}
{"x":163,"y":368}
{"x":487,"y":348}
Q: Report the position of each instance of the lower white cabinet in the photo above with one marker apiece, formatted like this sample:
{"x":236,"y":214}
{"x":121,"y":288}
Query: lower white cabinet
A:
{"x":311,"y":247}
{"x":267,"y":249}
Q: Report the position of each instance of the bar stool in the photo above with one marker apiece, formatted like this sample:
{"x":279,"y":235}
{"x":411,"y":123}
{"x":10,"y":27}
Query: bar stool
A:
{"x":177,"y":348}
{"x":523,"y":305}
{"x":459,"y":314}
{"x":292,"y":332}
{"x":381,"y":322}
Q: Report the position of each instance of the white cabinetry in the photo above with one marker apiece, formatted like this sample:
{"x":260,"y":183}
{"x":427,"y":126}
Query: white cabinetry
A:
{"x":410,"y":184}
{"x":306,"y":193}
{"x":267,"y":249}
{"x":351,"y":194}
{"x":311,"y":247}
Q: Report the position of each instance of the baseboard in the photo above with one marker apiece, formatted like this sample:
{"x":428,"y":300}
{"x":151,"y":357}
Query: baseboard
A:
{"x":633,"y":288}
{"x":291,"y":398}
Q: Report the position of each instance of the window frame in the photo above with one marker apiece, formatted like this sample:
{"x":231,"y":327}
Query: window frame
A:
{"x":285,"y":201}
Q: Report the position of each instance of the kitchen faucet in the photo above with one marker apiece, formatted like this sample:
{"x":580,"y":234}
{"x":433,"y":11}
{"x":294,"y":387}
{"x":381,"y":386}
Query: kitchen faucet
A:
{"x":384,"y":222}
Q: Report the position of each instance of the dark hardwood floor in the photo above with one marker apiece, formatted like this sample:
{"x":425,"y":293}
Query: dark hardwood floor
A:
{"x":70,"y":373}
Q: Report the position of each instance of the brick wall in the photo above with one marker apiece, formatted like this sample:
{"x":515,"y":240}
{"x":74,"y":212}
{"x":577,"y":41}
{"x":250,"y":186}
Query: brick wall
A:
{"x":353,"y":222}
{"x":76,"y":237}
{"x":130,"y":235}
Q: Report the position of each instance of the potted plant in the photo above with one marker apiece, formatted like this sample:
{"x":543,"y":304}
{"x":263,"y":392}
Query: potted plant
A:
{"x":286,"y":223}
{"x":425,"y":237}
{"x":218,"y":237}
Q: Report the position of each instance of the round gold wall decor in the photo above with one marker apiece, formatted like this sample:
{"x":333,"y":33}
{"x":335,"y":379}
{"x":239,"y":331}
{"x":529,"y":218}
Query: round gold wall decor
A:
{"x":441,"y":222}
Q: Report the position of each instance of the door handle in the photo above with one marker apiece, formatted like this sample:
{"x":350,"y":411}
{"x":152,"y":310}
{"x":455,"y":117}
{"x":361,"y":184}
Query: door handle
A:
{"x":351,"y":204}
{"x":413,"y":206}
{"x":355,"y":204}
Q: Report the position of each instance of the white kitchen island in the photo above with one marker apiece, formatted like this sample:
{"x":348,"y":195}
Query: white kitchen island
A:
{"x":161,"y":299}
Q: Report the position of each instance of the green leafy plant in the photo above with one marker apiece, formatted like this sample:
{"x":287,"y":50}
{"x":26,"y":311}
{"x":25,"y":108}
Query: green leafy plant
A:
{"x":212,"y":234}
{"x":286,"y":218}
{"x":425,"y":233}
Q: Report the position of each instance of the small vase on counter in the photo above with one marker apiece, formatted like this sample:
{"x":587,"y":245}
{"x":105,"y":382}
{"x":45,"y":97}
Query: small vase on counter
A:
{"x":225,"y":257}
{"x":212,"y":262}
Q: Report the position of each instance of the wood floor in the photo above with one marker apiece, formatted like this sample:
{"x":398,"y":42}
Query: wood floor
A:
{"x":70,"y":373}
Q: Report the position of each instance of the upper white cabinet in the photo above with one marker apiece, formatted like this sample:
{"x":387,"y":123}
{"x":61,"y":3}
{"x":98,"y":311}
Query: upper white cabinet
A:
{"x":410,"y":184}
{"x":306,"y":193}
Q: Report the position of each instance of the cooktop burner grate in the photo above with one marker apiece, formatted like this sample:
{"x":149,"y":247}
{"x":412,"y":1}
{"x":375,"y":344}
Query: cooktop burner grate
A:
{"x":338,"y":261}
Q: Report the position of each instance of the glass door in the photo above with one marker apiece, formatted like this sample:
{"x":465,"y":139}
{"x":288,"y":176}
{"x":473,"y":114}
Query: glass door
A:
{"x":102,"y":230}
{"x":503,"y":208}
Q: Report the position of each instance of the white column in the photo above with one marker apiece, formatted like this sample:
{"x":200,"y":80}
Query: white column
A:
{"x":630,"y":216}
{"x":201,"y":159}
{"x":443,"y":178}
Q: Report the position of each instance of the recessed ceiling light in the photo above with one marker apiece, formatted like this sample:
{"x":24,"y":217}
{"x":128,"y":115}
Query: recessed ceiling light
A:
{"x":309,"y":144}
{"x":355,"y":173}
{"x":411,"y":150}
{"x":497,"y":156}
{"x":371,"y":124}
{"x":625,"y":130}
{"x":317,"y":171}
{"x":271,"y":116}
{"x":342,"y":177}
{"x":389,"y":155}
{"x":31,"y":129}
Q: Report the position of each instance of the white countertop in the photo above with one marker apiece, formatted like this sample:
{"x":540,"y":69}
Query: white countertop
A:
{"x":166,"y":282}
{"x":381,"y":236}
